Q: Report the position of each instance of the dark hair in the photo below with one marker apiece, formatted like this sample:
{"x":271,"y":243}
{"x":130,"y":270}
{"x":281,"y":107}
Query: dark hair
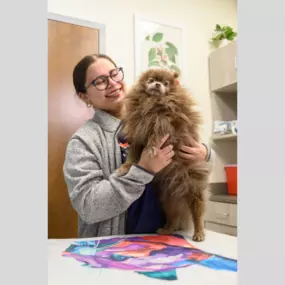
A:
{"x":79,"y":72}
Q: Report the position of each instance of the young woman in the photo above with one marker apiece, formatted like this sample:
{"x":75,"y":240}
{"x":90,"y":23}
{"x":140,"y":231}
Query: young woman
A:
{"x":107,"y":204}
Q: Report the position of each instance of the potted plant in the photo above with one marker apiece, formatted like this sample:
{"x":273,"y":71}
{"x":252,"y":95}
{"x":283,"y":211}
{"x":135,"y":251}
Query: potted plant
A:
{"x":222,"y":36}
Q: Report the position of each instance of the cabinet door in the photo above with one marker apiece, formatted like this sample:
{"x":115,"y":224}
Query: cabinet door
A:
{"x":223,"y":229}
{"x":221,"y":213}
{"x":222,"y":65}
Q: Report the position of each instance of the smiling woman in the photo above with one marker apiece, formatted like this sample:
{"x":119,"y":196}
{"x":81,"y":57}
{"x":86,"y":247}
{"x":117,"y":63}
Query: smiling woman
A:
{"x":91,"y":79}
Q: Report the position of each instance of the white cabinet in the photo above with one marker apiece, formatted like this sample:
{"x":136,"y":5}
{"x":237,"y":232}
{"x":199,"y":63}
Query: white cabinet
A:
{"x":223,"y":89}
{"x":221,"y":217}
{"x":223,"y":69}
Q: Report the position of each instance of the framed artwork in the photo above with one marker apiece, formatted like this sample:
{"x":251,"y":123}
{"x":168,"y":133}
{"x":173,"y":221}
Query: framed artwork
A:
{"x":158,"y":44}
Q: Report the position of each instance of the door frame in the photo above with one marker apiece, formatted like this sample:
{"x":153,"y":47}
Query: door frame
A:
{"x":83,"y":23}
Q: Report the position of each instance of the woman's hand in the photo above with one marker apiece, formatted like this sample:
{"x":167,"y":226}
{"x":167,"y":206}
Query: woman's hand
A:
{"x":158,"y":159}
{"x":196,"y":152}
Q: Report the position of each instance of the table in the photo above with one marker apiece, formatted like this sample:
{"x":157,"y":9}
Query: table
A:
{"x":68,"y":271}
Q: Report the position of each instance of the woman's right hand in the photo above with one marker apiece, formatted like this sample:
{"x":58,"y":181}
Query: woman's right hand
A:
{"x":162,"y":157}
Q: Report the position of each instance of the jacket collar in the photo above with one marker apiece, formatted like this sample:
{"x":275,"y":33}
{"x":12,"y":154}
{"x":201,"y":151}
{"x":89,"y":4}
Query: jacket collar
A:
{"x":108,"y":122}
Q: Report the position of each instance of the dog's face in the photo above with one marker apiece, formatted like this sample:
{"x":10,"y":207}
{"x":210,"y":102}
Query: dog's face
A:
{"x":158,"y":82}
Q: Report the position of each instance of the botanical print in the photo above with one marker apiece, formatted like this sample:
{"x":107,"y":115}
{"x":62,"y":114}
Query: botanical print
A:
{"x":155,"y":256}
{"x":158,"y":45}
{"x":162,"y":53}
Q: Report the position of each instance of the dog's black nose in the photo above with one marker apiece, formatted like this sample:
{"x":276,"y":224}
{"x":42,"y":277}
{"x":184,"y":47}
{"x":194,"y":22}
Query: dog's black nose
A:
{"x":157,"y":85}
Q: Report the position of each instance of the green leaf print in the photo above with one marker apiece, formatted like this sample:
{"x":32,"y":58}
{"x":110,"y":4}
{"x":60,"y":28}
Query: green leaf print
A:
{"x":153,"y":63}
{"x":157,"y":37}
{"x":175,"y":68}
{"x":151,"y":54}
{"x":172,"y":47}
{"x":171,"y":54}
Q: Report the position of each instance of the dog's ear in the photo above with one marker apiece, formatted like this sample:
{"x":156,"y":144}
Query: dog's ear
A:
{"x":176,"y":75}
{"x":176,"y":78}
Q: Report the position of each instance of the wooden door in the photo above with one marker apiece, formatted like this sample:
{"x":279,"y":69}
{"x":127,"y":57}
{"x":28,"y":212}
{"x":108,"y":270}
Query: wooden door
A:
{"x":67,"y":44}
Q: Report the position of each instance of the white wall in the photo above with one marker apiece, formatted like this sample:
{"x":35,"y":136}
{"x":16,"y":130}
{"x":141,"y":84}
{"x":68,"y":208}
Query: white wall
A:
{"x":198,"y":16}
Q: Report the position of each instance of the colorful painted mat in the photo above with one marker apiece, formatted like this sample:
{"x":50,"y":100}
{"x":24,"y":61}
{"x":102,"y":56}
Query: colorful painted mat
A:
{"x":155,"y":256}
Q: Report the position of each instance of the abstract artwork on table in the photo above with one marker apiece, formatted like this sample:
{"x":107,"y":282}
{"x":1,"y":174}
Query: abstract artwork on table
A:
{"x":155,"y":256}
{"x":158,"y":45}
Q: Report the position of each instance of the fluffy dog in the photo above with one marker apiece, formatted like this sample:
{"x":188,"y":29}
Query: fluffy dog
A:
{"x":155,"y":106}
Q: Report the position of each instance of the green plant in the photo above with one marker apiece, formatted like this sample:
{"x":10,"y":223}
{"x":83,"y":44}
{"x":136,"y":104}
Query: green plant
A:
{"x":162,"y":54}
{"x":223,"y":33}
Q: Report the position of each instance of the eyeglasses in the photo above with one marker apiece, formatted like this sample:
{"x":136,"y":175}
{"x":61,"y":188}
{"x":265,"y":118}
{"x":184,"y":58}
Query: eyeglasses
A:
{"x":102,"y":82}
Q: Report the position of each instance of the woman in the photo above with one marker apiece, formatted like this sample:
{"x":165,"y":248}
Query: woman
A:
{"x":107,"y":204}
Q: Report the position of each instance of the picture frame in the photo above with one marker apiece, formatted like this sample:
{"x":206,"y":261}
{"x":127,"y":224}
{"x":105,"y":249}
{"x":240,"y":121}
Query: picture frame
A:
{"x":159,"y":44}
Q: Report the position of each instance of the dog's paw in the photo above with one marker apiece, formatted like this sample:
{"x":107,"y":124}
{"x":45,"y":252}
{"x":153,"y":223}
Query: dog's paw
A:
{"x":199,"y":236}
{"x":164,"y":231}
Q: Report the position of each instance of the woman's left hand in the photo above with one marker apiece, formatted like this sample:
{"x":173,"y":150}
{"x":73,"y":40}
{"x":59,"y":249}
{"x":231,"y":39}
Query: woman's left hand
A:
{"x":196,"y":152}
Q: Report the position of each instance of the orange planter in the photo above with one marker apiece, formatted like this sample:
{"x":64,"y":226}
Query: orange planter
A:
{"x":231,"y":174}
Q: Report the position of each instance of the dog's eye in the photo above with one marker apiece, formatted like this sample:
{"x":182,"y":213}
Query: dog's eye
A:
{"x":151,"y":80}
{"x":166,"y":83}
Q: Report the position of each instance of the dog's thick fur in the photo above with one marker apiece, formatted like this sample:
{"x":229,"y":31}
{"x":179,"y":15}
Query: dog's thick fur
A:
{"x":155,"y":106}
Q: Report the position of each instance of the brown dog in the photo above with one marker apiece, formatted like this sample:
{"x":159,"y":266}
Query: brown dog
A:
{"x":154,"y":107}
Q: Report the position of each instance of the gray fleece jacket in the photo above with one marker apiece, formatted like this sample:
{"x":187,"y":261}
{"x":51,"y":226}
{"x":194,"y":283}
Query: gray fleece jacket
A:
{"x":98,"y":195}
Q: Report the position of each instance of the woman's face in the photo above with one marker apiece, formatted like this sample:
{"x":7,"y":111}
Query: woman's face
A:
{"x":108,"y":94}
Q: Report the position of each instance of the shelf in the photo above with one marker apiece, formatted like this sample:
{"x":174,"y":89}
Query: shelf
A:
{"x":224,"y":198}
{"x":231,"y":88}
{"x":223,"y":81}
{"x":223,"y":69}
{"x":216,"y":137}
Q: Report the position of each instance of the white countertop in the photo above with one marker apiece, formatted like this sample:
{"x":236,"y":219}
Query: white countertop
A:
{"x":68,"y":271}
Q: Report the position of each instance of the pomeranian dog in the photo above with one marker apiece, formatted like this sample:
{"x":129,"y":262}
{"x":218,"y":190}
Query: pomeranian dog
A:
{"x":155,"y":106}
